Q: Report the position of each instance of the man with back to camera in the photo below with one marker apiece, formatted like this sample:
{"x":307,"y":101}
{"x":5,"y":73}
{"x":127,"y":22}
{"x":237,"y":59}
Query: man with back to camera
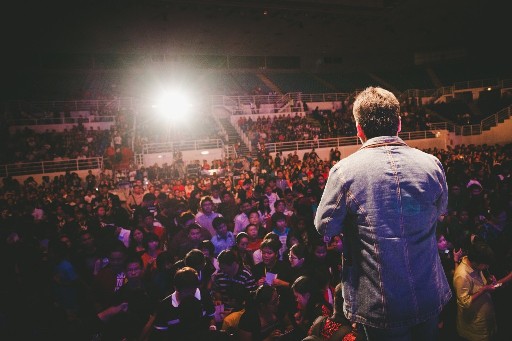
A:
{"x":386,"y":199}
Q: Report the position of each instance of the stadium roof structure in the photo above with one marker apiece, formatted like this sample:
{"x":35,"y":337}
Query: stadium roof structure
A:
{"x":351,"y":33}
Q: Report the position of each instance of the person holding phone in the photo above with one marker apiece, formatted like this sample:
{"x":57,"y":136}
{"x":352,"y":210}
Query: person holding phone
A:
{"x":476,"y":318}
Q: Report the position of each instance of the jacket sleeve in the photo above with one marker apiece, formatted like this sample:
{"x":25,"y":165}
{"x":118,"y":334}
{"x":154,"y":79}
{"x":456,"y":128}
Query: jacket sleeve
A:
{"x":332,"y":208}
{"x":442,"y":201}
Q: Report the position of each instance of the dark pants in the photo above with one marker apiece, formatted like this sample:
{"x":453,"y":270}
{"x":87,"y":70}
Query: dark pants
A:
{"x":425,"y":331}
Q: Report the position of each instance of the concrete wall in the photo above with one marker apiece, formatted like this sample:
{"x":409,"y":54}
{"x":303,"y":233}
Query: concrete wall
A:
{"x":323,"y":105}
{"x":39,"y":177}
{"x":440,"y":142}
{"x":501,"y":134}
{"x":160,"y":159}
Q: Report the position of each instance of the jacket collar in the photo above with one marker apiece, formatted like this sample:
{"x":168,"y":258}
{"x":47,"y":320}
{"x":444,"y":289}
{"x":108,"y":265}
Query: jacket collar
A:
{"x":383,"y":141}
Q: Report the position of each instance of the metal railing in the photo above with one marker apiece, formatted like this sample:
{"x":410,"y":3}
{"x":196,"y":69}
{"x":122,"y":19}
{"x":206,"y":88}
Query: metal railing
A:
{"x":506,"y":84}
{"x":80,"y":105}
{"x":475,"y":129}
{"x":330,"y":97}
{"x":229,"y":101}
{"x":63,"y":120}
{"x":230,"y":151}
{"x":475,"y":84}
{"x":220,"y":127}
{"x":43,"y":167}
{"x":413,"y":93}
{"x":237,"y":101}
{"x":167,"y":147}
{"x":338,"y":142}
{"x":497,"y":118}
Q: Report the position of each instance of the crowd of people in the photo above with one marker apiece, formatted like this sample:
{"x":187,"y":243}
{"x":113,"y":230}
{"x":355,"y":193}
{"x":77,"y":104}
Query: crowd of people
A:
{"x":28,"y":145}
{"x":322,"y":124}
{"x":25,"y":145}
{"x":229,"y":252}
{"x":236,"y":256}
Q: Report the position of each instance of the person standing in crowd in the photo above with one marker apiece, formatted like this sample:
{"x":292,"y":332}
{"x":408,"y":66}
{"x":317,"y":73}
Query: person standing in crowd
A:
{"x":386,"y":199}
{"x":134,"y":200}
{"x":476,"y":320}
{"x":111,"y":277}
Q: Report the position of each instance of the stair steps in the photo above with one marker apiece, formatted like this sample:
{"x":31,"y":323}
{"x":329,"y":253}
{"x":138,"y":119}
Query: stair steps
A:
{"x":271,"y":85}
{"x":234,"y":137}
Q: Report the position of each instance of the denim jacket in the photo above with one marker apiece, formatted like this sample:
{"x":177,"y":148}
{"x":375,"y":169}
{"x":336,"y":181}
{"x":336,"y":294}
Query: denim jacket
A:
{"x":386,"y":199}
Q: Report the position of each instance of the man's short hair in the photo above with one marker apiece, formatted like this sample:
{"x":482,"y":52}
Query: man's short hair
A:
{"x":185,"y":216}
{"x":186,"y":278}
{"x":217,"y":221}
{"x":278,"y":216}
{"x":227,"y":257}
{"x":163,"y":197}
{"x":194,"y":226}
{"x":151,"y":237}
{"x":241,"y":235}
{"x":134,"y":258}
{"x":207,"y":245}
{"x":149,"y":197}
{"x":194,"y":259}
{"x":205,"y":199}
{"x":377,"y":111}
{"x":272,"y":244}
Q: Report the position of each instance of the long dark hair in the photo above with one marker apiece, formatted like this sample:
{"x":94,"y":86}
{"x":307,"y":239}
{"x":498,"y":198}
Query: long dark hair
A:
{"x":306,"y":285}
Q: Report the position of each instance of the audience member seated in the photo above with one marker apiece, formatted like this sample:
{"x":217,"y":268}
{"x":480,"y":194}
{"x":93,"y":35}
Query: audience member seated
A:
{"x":67,"y":209}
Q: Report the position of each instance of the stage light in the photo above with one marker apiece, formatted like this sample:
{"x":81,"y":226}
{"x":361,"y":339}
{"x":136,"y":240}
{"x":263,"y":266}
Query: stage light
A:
{"x":174,"y":103}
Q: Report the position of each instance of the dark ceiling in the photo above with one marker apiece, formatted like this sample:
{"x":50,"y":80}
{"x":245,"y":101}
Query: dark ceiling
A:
{"x":358,"y":32}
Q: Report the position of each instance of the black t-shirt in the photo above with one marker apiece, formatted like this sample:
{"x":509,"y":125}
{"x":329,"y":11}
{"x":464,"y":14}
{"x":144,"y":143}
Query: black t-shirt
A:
{"x":167,"y":321}
{"x":250,"y":322}
{"x":284,"y":272}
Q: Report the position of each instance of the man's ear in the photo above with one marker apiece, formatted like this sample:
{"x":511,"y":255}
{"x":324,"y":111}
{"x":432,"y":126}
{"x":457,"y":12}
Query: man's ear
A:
{"x":399,"y":125}
{"x":360,"y":132}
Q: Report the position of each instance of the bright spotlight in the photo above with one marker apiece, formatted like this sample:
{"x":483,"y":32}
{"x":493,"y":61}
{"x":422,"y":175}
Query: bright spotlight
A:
{"x":174,"y":103}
